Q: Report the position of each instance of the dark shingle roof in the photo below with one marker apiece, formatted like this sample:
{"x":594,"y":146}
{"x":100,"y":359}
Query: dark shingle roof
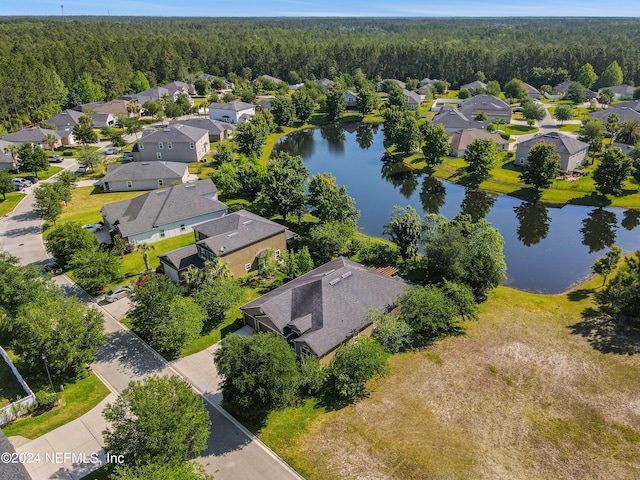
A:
{"x":214,"y":127}
{"x":144,"y":171}
{"x":489,"y":104}
{"x":474,"y":85}
{"x":160,"y":207}
{"x":11,"y":470}
{"x":67,"y":117}
{"x":31,"y":134}
{"x":184,"y":257}
{"x":234,"y":106}
{"x":563,"y":143}
{"x":236,"y":231}
{"x":175,"y":133}
{"x":461,"y":140}
{"x":451,"y":117}
{"x":329,"y":303}
{"x":624,"y":113}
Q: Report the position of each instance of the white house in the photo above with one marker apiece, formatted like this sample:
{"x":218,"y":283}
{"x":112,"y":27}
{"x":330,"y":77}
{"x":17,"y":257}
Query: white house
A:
{"x":573,"y":152}
{"x":164,"y":213}
{"x":232,"y":112}
{"x":350,"y":99}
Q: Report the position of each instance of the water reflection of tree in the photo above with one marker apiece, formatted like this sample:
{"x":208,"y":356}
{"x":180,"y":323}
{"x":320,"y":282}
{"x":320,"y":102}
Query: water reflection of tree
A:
{"x":631,"y":219}
{"x":398,"y":175}
{"x":599,"y":229}
{"x":296,"y":143}
{"x":334,"y":136}
{"x":477,"y":203}
{"x":432,"y":194}
{"x":364,"y":136}
{"x":533,"y":224}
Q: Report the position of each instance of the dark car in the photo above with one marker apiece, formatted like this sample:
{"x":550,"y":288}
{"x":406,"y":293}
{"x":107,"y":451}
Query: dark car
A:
{"x":54,"y":268}
{"x":31,"y":178}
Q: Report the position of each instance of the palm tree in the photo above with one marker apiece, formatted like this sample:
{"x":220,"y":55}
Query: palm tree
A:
{"x":629,"y":132}
{"x":50,"y":140}
{"x":134,"y":107}
{"x":216,"y":269}
{"x":12,"y":150}
{"x":145,"y":248}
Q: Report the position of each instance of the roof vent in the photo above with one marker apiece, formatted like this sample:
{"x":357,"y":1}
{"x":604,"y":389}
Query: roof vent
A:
{"x":189,"y":185}
{"x":158,"y":192}
{"x":334,"y":281}
{"x":167,"y":129}
{"x":248,"y":222}
{"x":233,"y":234}
{"x":144,"y":163}
{"x":223,"y":248}
{"x":330,"y":271}
{"x":346,"y":274}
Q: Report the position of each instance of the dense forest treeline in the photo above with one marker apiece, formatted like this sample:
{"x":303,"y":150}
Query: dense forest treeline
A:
{"x":41,"y":59}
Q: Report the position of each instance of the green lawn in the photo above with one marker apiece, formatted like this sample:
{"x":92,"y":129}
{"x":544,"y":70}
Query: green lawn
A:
{"x":86,"y":203}
{"x":512,"y":129}
{"x":77,"y":399}
{"x":42,"y":174}
{"x":570,"y":127}
{"x":13,"y":199}
{"x":533,"y":388}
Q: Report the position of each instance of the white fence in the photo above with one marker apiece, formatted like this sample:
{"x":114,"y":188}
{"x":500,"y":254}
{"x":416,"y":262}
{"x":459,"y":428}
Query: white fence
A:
{"x":19,"y":407}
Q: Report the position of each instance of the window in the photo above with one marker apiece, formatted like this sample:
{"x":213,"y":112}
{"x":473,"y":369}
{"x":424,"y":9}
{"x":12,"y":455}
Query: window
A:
{"x":183,"y":227}
{"x":162,"y":232}
{"x":160,"y":182}
{"x":141,"y":146}
{"x":159,"y":155}
{"x":160,"y":145}
{"x":169,"y":145}
{"x":277,"y":253}
{"x":129,"y":184}
{"x":305,"y":351}
{"x":247,"y":267}
{"x":201,"y":253}
{"x":192,"y":145}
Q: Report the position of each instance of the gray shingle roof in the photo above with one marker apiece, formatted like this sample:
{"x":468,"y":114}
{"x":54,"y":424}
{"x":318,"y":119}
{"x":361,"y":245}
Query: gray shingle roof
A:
{"x":563,"y":143}
{"x":6,"y":160}
{"x":335,"y":297}
{"x":214,"y":127}
{"x":461,"y":140}
{"x":160,"y":207}
{"x":236,"y":231}
{"x":67,"y":117}
{"x":624,"y":113}
{"x":474,"y":85}
{"x":184,"y":257}
{"x":31,"y":134}
{"x":11,"y":470}
{"x":144,"y":171}
{"x":234,"y":106}
{"x":177,"y":133}
{"x":451,"y":117}
{"x":489,"y":104}
{"x":412,"y":97}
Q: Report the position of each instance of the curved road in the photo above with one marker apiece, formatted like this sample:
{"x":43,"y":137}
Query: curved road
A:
{"x":232,"y":452}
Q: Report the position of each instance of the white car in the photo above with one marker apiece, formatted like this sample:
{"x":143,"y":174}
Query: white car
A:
{"x":118,"y":292}
{"x":93,"y":227}
{"x":111,"y":151}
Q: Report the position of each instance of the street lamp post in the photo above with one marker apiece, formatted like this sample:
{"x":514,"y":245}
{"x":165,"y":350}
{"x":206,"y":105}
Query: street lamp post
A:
{"x":44,"y":359}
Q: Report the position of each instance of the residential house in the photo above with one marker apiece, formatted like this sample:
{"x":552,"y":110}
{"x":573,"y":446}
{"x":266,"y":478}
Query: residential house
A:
{"x":30,"y":135}
{"x":71,"y":118}
{"x":473,"y":86}
{"x":176,"y":88}
{"x":6,"y":159}
{"x":267,"y":77}
{"x":495,"y":108}
{"x":228,"y":86}
{"x":625,"y":113}
{"x":217,"y":130}
{"x":153,"y":93}
{"x":265,"y":103}
{"x":233,"y":112}
{"x":380,"y":84}
{"x":325,"y":83}
{"x":561,"y":89}
{"x":164,"y":213}
{"x":453,"y":120}
{"x":426,"y":84}
{"x":321,"y":310}
{"x":460,"y":140}
{"x":350,"y":99}
{"x":66,"y":136}
{"x":114,"y":107}
{"x":143,"y":176}
{"x":573,"y":152}
{"x":175,"y":143}
{"x":621,"y":92}
{"x":532,"y":91}
{"x":239,"y":239}
{"x":413,"y":99}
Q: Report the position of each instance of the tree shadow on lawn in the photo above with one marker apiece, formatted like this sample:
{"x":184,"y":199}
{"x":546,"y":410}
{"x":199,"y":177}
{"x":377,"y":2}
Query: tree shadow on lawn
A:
{"x":579,"y":294}
{"x":592,"y":200}
{"x":606,"y":333}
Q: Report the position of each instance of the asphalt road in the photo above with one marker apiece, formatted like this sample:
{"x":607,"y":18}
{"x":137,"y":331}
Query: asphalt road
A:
{"x":232,"y":452}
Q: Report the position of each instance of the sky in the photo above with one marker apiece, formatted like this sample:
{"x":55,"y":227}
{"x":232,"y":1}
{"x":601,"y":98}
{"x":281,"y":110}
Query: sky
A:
{"x":326,"y":8}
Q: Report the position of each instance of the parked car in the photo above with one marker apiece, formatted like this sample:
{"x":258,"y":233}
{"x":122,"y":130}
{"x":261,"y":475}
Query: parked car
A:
{"x":19,"y":187}
{"x":81,"y":169}
{"x":93,"y":227}
{"x":127,"y":155}
{"x":54,"y":158}
{"x":22,"y":181}
{"x":31,"y":179}
{"x":111,"y":151}
{"x":53,"y":267}
{"x":118,"y":292}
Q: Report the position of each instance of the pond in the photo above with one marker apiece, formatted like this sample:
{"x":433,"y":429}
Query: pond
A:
{"x":547,"y":250}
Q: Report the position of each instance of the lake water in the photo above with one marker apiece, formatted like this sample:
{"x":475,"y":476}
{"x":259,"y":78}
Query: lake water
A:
{"x":547,"y":250}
